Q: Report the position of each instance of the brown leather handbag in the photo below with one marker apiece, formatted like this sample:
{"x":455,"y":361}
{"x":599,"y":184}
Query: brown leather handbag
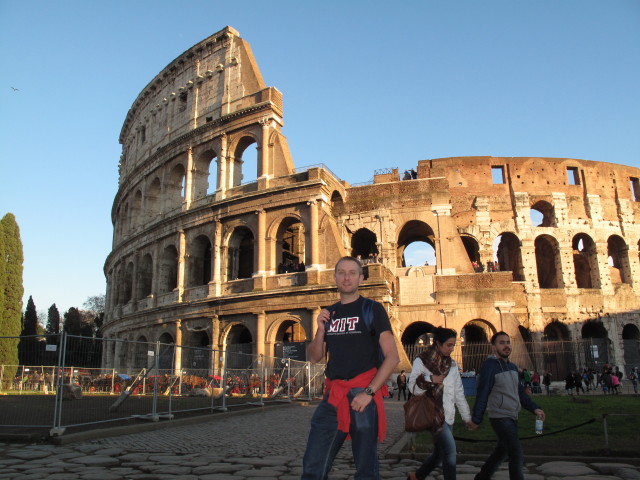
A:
{"x":419,"y":413}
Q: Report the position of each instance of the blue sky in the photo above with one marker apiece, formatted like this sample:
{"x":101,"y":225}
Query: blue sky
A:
{"x":366,"y":84}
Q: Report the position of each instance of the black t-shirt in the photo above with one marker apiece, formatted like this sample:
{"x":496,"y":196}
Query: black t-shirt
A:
{"x":352,"y":346}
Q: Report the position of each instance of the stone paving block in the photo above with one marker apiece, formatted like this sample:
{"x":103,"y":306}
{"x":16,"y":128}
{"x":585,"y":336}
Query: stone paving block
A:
{"x":566,"y":469}
{"x":96,"y":460}
{"x":28,"y":454}
{"x":610,"y":468}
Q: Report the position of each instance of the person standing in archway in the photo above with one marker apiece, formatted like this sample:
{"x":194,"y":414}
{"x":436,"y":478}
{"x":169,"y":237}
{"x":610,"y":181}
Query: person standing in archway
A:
{"x":356,"y":334}
{"x":401,"y":381}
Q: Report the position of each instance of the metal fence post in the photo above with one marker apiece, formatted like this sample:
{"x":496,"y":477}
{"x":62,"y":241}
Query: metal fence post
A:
{"x":224,"y":382}
{"x":606,"y":433}
{"x":57,"y":428}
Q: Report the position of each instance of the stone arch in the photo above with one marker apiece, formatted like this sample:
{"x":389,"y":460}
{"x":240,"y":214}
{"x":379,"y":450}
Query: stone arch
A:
{"x":414,"y":231}
{"x":289,"y":253}
{"x":153,"y":197}
{"x":542,"y":214}
{"x":416,"y":337}
{"x":508,"y":255}
{"x":585,"y":261}
{"x":200,"y":261}
{"x":558,"y":352}
{"x":166,"y":352}
{"x":363,"y":243}
{"x":124,"y":219}
{"x":127,"y":295}
{"x":337,"y":204}
{"x":238,"y":341}
{"x":244,"y":170}
{"x":175,"y":187}
{"x":548,"y":262}
{"x":240,"y":253}
{"x":631,"y":343}
{"x":618,"y":254}
{"x":198,"y":355}
{"x":476,"y":335}
{"x":203,"y":177}
{"x":472,"y":248}
{"x":596,"y":343}
{"x":145,"y":276}
{"x":140,"y":353}
{"x":168,"y":280}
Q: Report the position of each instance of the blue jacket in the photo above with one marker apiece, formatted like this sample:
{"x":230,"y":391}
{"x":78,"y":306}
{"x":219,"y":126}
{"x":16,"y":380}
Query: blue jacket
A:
{"x":500,"y":391}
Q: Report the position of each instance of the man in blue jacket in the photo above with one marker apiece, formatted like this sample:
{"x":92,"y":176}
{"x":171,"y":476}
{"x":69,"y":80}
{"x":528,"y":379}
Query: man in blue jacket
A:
{"x":501,"y":393}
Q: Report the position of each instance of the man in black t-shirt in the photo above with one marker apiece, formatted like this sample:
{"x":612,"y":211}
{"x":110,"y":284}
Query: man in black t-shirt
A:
{"x":354,"y":333}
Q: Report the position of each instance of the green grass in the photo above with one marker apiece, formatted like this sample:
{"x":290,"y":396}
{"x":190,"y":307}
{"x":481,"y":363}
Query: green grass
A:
{"x":562,"y":412}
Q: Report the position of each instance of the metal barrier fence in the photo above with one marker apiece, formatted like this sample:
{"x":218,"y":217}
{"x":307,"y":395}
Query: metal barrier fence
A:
{"x":152,"y":381}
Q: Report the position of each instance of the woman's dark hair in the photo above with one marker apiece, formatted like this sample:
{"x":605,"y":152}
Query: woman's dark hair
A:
{"x":441,"y":335}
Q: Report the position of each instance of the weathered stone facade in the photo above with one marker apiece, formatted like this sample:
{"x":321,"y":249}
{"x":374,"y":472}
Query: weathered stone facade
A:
{"x":196,"y":265}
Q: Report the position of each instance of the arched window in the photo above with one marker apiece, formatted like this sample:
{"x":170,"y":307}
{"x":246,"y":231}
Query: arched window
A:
{"x":200,"y":261}
{"x":174,"y":190}
{"x":245,"y":162}
{"x":239,"y":348}
{"x":337,"y":204}
{"x":168,"y":280}
{"x":618,"y":253}
{"x":204,"y":175}
{"x":542,"y":214}
{"x":423,"y":236}
{"x":585,"y":261}
{"x":145,"y":276}
{"x":240,"y":254}
{"x":475,"y":347}
{"x":153,"y":199}
{"x":140,"y":353}
{"x":558,"y":350}
{"x":472,"y":248}
{"x":290,"y":246}
{"x":595,"y":343}
{"x":508,"y":255}
{"x":416,"y":337}
{"x":363,"y":245}
{"x":166,"y":353}
{"x":548,"y":262}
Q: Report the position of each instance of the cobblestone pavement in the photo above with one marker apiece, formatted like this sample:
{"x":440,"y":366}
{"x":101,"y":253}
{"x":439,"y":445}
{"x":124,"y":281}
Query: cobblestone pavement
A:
{"x":266,"y":443}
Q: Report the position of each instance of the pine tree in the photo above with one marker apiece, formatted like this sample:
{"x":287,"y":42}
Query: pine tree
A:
{"x":72,"y":322}
{"x":30,"y":325}
{"x":53,"y":320}
{"x":12,"y":291}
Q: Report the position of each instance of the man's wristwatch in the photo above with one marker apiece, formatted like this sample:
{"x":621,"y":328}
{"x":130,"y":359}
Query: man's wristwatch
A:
{"x":369,"y":391}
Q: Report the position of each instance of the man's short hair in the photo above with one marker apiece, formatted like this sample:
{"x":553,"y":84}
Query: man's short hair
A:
{"x":496,"y":335}
{"x":352,"y":259}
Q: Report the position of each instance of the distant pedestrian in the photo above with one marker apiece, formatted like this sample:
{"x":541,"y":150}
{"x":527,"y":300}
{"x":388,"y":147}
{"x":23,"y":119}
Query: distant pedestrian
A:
{"x":402,"y":385}
{"x":546,"y":381}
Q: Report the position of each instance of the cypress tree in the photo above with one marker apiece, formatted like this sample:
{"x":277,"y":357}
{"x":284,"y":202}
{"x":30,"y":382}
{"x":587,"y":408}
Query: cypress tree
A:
{"x":28,"y":346}
{"x":30,"y":325}
{"x":11,"y":306}
{"x":53,"y":320}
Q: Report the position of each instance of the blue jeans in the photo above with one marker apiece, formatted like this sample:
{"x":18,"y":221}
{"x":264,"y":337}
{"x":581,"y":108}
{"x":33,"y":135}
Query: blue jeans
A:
{"x":444,"y":453}
{"x":508,"y":446}
{"x":325,"y":441}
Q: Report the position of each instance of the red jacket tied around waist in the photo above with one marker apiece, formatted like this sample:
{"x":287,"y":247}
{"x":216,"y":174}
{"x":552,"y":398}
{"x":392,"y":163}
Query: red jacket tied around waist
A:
{"x":338,"y":390}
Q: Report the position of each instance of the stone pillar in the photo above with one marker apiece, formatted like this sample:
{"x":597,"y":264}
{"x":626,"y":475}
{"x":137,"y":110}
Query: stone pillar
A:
{"x":223,"y":168}
{"x":262,"y":234}
{"x":264,"y":168}
{"x":217,"y":267}
{"x":189,"y":180}
{"x":177,"y":361}
{"x":314,"y":324}
{"x":182,"y":260}
{"x":215,"y":347}
{"x":261,"y":319}
{"x":313,"y":234}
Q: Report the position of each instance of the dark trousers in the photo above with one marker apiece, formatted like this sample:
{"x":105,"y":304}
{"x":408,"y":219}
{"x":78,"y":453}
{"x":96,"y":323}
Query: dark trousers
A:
{"x":508,"y":446}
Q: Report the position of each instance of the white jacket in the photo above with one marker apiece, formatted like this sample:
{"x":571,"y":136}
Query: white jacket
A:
{"x":453,"y":391}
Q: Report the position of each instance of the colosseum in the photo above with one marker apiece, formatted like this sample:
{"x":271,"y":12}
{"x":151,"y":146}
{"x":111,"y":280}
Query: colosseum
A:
{"x":213,"y":248}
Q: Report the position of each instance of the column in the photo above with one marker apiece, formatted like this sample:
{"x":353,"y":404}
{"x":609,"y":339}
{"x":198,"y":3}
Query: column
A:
{"x":313,"y":234}
{"x":264,"y":167}
{"x":261,"y":318}
{"x":189,"y":180}
{"x":217,"y":246}
{"x":314,"y":325}
{"x":177,"y":361}
{"x":215,"y":347}
{"x":262,"y":233}
{"x":221,"y":191}
{"x":182,"y":260}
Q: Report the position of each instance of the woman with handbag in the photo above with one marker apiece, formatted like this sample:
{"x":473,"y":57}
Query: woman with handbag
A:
{"x":436,"y":375}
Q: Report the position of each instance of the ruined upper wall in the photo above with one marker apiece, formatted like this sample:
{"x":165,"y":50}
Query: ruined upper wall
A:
{"x":215,"y":78}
